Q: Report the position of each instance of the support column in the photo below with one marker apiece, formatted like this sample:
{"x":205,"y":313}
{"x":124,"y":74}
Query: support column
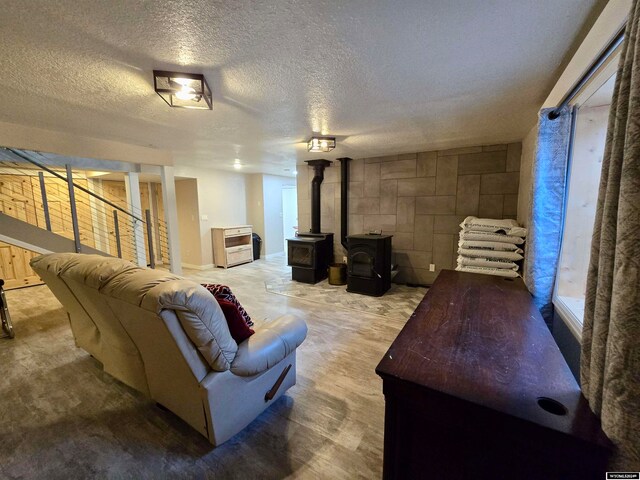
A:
{"x":171,"y":218}
{"x":153,"y":201}
{"x":99,"y":216}
{"x":132,"y":187}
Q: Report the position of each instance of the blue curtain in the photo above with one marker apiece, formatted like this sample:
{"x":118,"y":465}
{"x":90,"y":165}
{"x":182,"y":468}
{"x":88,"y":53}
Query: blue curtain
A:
{"x":547,"y":204}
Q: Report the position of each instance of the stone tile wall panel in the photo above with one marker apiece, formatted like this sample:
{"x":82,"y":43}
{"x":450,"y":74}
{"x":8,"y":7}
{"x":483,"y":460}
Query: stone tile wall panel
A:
{"x":420,"y":198}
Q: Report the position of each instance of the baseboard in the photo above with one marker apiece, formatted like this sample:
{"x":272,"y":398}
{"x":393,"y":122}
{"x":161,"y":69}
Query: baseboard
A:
{"x":208,"y":266}
{"x":271,"y":255}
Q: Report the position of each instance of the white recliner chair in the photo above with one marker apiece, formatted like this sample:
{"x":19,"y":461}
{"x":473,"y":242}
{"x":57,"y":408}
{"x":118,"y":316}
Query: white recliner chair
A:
{"x":167,"y":337}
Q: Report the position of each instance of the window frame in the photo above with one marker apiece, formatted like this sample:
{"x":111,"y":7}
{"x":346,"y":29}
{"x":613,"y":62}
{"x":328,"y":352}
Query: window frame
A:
{"x":609,"y":68}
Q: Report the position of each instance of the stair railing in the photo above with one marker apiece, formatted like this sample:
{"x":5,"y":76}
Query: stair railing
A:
{"x":121,"y":217}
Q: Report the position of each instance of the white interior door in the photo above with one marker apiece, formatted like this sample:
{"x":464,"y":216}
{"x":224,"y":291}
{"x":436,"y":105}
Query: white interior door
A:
{"x":289,"y":213}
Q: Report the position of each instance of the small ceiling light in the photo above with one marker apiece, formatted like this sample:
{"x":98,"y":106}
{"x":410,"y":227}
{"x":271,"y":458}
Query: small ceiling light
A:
{"x":236,"y":164}
{"x":183,"y":90}
{"x":321,"y":144}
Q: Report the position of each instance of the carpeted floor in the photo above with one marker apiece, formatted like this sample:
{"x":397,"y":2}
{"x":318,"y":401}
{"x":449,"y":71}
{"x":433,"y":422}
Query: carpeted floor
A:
{"x":62,"y":417}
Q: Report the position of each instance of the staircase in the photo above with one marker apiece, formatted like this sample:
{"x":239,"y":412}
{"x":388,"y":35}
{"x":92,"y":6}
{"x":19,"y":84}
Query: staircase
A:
{"x":50,"y":209}
{"x":31,"y":237}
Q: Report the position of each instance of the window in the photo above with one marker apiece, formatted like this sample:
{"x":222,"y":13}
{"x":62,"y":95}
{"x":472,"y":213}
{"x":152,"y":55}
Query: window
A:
{"x":585,"y":166}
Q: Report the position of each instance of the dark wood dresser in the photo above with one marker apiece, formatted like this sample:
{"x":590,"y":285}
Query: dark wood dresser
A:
{"x":476,"y":388}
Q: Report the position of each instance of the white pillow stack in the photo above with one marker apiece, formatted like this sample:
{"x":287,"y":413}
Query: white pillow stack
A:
{"x":490,"y":246}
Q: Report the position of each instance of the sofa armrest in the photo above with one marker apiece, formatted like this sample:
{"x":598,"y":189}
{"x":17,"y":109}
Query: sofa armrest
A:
{"x":269,"y":345}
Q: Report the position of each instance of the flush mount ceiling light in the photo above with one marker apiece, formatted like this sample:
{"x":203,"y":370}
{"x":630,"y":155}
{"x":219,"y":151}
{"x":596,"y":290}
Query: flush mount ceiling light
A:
{"x":321,"y":144}
{"x":183,"y":90}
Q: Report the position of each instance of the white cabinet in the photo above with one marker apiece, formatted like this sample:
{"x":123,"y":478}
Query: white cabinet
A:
{"x":232,"y":245}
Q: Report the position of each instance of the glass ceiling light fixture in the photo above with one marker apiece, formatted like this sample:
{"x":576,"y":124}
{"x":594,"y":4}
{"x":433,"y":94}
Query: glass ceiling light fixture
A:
{"x":321,"y":144}
{"x":183,"y":90}
{"x":236,"y":164}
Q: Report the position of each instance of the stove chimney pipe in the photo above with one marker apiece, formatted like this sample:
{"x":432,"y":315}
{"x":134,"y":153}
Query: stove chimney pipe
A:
{"x":344,"y":200}
{"x":318,"y":170}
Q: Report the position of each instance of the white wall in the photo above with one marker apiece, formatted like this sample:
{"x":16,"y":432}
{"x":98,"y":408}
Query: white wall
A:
{"x":227,"y":199}
{"x":610,"y":21}
{"x":272,"y":192}
{"x":255,"y":205}
{"x":32,"y":138}
{"x":221,"y":200}
{"x":189,"y":222}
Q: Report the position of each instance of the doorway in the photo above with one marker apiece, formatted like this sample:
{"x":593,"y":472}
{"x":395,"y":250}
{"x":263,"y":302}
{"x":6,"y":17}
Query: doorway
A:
{"x":289,"y":213}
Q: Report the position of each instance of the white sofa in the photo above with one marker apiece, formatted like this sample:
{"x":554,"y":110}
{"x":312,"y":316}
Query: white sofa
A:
{"x":167,"y":337}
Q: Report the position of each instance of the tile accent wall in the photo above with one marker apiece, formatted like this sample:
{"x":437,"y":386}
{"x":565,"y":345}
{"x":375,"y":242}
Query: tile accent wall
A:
{"x":419,"y":198}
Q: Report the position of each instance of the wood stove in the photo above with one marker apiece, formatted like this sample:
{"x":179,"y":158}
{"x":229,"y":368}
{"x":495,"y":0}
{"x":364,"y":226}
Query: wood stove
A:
{"x":309,"y":254}
{"x":369,"y":264}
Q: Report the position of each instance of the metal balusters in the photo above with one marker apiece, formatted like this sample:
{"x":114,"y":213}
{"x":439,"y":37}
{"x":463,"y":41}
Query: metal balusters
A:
{"x":74,"y":213}
{"x":117,"y":233}
{"x":63,"y":208}
{"x":45,"y":204}
{"x":152,"y":259}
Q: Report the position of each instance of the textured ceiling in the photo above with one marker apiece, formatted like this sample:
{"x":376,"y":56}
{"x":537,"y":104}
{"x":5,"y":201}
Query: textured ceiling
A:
{"x":382,"y":76}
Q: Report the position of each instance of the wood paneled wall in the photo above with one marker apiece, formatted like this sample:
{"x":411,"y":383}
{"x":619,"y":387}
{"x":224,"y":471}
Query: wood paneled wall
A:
{"x":14,"y":267}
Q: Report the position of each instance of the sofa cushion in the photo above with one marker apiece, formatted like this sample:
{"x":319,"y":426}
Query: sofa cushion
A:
{"x":131,"y":285}
{"x":200,"y":316}
{"x":223,"y":292}
{"x":53,"y":263}
{"x":238,"y":328}
{"x":95,"y":270}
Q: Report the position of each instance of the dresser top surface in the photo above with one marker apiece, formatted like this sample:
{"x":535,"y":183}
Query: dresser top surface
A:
{"x":481,"y":339}
{"x":232,"y":227}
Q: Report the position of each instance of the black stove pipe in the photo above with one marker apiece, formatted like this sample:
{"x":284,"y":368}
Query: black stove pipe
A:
{"x":318,"y":170}
{"x":344,"y":200}
{"x":315,"y":199}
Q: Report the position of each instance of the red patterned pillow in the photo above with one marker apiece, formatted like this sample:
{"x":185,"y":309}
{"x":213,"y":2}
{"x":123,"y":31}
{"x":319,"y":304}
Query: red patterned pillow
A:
{"x":239,"y":330}
{"x":222,"y":292}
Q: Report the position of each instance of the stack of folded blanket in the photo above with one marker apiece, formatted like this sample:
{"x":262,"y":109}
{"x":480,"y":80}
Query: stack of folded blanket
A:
{"x":490,"y":246}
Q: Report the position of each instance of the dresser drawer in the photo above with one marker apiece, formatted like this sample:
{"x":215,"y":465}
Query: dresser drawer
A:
{"x":239,"y":255}
{"x":234,"y":232}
